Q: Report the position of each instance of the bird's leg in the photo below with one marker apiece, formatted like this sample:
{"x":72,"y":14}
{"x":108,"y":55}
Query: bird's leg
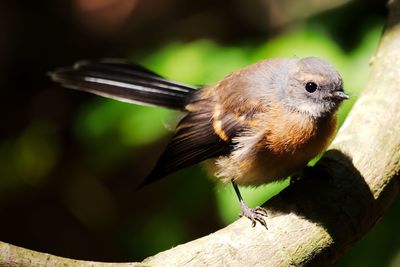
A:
{"x":255,"y":215}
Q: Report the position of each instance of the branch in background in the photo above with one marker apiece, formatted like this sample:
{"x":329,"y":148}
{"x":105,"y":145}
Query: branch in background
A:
{"x":316,"y":220}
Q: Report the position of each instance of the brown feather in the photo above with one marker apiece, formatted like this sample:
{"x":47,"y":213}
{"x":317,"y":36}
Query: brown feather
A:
{"x":277,"y":149}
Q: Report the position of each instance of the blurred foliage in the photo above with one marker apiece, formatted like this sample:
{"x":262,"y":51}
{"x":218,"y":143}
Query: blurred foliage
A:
{"x":28,"y":158}
{"x":136,"y":125}
{"x":70,"y":167}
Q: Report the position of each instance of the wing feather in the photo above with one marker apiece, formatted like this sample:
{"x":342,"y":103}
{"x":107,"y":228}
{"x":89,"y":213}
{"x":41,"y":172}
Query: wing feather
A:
{"x":194,"y":141}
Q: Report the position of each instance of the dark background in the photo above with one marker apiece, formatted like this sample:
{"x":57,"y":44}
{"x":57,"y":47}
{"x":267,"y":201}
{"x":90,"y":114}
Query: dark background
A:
{"x":70,"y":161}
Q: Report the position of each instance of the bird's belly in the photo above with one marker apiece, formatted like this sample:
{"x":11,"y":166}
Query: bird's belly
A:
{"x":267,"y":167}
{"x":260,"y":166}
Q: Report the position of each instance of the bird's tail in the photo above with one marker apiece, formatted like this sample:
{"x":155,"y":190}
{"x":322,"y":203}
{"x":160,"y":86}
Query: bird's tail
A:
{"x":123,"y":81}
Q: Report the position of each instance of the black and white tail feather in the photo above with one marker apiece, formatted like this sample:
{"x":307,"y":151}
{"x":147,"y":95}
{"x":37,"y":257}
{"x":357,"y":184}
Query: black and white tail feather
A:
{"x":123,"y":81}
{"x":194,"y":140}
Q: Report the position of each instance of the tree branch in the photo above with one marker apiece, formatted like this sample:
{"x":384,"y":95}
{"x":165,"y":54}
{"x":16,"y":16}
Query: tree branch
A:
{"x":315,"y":220}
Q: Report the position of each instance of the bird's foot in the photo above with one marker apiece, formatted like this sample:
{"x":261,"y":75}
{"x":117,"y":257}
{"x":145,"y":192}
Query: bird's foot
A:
{"x":255,"y":215}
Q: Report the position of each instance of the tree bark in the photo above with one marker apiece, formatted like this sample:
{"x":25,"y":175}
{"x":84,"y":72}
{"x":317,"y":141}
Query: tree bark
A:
{"x":317,"y":219}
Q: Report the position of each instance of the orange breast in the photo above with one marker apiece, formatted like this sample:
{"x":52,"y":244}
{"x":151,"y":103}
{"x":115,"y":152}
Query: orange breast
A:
{"x":292,"y":132}
{"x":289,"y":142}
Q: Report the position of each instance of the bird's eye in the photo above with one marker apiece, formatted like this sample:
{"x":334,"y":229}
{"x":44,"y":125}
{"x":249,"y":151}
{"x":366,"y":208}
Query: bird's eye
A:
{"x":311,"y":87}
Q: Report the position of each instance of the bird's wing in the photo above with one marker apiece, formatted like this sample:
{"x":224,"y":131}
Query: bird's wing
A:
{"x":199,"y":136}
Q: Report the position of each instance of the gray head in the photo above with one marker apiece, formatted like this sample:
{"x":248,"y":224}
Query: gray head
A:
{"x":313,"y":87}
{"x":308,"y":85}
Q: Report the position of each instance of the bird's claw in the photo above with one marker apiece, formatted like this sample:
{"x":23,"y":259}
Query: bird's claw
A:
{"x":255,"y":215}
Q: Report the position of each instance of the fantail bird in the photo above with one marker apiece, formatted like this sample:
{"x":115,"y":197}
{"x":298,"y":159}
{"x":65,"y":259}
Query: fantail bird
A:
{"x":260,"y":124}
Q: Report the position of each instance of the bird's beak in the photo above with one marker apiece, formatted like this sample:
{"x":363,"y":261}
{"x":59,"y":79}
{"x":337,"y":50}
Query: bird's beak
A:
{"x":340,"y":95}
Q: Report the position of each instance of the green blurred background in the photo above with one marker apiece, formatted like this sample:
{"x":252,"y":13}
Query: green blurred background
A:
{"x":70,"y":161}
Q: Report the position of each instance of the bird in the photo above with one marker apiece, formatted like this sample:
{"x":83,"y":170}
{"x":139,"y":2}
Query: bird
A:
{"x":258,"y":125}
